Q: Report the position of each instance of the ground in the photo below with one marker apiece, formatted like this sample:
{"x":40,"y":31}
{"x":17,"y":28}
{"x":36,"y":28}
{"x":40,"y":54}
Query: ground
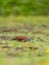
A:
{"x":33,"y":52}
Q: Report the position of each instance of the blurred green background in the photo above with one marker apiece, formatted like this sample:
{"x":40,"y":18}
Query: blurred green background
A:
{"x":24,"y":7}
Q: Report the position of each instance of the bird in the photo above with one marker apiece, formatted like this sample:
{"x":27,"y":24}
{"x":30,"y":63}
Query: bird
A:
{"x":21,"y":38}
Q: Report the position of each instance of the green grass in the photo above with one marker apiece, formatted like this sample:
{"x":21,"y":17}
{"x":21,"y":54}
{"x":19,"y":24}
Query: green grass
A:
{"x":11,"y":20}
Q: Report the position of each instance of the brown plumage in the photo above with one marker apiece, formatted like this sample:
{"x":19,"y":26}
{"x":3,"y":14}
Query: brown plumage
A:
{"x":21,"y":38}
